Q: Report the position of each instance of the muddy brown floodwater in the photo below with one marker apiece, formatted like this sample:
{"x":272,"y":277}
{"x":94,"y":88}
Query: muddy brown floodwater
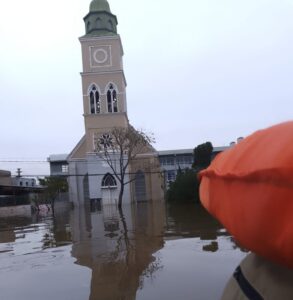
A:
{"x":145,"y":252}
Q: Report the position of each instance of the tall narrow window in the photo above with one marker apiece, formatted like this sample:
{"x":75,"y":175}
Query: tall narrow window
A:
{"x":95,"y":107}
{"x":112,"y":99}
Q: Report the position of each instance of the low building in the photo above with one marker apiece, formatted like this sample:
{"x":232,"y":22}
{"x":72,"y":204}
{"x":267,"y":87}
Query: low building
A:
{"x":58,"y":164}
{"x":23,"y":181}
{"x":174,"y":160}
{"x":5,"y":178}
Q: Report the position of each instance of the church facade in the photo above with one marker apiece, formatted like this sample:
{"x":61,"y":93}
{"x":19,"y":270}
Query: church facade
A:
{"x":105,"y":108}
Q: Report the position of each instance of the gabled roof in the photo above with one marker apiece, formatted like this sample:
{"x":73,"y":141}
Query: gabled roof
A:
{"x":79,"y":151}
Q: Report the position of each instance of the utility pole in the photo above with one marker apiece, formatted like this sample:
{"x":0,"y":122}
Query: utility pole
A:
{"x":18,"y":172}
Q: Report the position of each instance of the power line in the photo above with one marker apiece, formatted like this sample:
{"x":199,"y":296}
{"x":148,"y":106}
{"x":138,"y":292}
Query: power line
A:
{"x":97,"y":158}
{"x":89,"y":175}
{"x":23,"y":161}
{"x":88,"y":162}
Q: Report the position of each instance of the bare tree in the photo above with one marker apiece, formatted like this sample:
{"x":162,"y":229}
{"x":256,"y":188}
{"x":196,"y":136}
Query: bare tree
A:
{"x":119,"y":147}
{"x":54,"y":185}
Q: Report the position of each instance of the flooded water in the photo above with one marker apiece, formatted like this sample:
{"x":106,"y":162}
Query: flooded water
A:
{"x":145,"y":252}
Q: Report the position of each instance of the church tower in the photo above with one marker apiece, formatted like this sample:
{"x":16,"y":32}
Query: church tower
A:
{"x":104,"y":108}
{"x":103,"y":80}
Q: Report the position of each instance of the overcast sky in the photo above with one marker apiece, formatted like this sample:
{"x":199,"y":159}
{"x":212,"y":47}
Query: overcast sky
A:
{"x":197,"y":70}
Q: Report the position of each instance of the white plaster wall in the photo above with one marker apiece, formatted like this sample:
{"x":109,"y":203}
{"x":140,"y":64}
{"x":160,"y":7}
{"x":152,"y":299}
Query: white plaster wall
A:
{"x":95,"y":166}
{"x":77,"y":171}
{"x":96,"y":169}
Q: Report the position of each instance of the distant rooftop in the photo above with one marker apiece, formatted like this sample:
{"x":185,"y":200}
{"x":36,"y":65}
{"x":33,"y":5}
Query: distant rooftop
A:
{"x":188,"y":151}
{"x":5,"y":173}
{"x":57,"y":157}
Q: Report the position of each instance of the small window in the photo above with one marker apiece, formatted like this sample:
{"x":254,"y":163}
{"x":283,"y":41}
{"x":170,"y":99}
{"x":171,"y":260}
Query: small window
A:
{"x":20,"y":183}
{"x":109,"y":181}
{"x":64,"y":168}
{"x":169,"y":160}
{"x":184,"y":159}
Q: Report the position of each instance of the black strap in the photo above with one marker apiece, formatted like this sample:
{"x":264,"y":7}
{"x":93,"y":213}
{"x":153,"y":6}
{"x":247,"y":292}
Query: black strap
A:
{"x":249,"y":291}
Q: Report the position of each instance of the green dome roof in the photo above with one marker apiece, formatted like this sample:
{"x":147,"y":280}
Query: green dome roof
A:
{"x":99,"y":5}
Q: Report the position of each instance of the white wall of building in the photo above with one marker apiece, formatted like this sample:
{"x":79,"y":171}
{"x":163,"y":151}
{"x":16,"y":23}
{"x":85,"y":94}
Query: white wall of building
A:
{"x":95,"y":169}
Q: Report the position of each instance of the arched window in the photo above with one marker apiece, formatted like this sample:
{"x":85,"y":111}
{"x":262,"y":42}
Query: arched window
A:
{"x":95,"y":107}
{"x":98,"y":23}
{"x":109,"y":181}
{"x":112,"y":99}
{"x":110,"y":25}
{"x":88,"y":26}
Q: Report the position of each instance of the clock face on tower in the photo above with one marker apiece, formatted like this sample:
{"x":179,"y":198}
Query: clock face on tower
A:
{"x":100,"y":56}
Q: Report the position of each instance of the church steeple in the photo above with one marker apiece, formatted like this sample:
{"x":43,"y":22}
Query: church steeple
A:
{"x":100,"y":21}
{"x":103,"y":80}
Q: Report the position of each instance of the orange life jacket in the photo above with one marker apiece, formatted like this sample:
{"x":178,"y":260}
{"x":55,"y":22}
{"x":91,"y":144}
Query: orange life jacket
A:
{"x":249,"y":189}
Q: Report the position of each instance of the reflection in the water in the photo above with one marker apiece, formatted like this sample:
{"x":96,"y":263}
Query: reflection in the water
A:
{"x":192,"y":220}
{"x":139,"y":252}
{"x":118,"y":247}
{"x":59,"y":231}
{"x":55,"y":231}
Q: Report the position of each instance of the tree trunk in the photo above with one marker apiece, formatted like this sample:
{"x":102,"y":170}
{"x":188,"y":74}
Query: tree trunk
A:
{"x":53,"y":206}
{"x":125,"y":233}
{"x":120,"y":196}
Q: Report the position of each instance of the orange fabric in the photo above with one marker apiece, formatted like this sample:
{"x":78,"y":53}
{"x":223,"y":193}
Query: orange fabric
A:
{"x":249,"y":188}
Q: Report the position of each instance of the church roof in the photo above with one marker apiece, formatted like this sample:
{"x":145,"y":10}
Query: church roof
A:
{"x":79,"y":151}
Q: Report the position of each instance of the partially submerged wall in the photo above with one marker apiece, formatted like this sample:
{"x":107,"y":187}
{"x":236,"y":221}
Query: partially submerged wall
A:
{"x":18,"y":210}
